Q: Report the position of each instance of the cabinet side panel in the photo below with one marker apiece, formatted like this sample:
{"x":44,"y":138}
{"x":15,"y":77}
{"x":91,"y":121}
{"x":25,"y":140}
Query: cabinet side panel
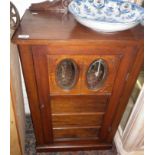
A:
{"x":127,"y":91}
{"x":31,"y":87}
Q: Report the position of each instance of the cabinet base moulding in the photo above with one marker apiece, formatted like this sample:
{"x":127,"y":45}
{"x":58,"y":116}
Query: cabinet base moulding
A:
{"x":74,"y":146}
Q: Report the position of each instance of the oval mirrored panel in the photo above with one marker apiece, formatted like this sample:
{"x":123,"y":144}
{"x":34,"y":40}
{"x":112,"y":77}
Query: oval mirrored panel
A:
{"x":96,"y":74}
{"x":67,"y":74}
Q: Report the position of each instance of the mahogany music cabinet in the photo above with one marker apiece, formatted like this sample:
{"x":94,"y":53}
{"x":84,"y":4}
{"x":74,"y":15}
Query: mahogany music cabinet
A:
{"x":78,"y":81}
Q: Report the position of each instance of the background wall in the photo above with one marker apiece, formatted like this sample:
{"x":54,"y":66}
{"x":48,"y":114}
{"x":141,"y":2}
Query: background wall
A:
{"x":22,"y":5}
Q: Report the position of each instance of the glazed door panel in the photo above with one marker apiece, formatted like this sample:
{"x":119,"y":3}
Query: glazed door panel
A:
{"x":87,"y":69}
{"x":99,"y":72}
{"x":67,"y":69}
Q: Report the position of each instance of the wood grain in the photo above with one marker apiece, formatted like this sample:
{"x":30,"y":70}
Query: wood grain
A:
{"x":31,"y":87}
{"x":76,"y":133}
{"x":46,"y":27}
{"x":40,"y":64}
{"x":78,"y":104}
{"x":74,"y":145}
{"x":77,"y":119}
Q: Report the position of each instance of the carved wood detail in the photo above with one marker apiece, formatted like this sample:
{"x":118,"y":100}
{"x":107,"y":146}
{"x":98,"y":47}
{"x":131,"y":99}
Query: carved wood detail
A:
{"x":55,"y":5}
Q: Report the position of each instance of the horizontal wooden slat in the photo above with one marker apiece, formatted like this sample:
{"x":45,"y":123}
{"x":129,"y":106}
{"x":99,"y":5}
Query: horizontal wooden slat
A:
{"x":79,"y":113}
{"x":73,"y":104}
{"x":79,"y":127}
{"x":77,"y":120}
{"x":76,"y":133}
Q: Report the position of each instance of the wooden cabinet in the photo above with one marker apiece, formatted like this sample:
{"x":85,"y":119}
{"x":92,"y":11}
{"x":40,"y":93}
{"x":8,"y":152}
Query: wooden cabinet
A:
{"x":78,"y":81}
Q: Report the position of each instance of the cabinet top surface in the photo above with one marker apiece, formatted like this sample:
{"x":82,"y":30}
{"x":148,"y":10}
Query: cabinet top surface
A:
{"x":44,"y":27}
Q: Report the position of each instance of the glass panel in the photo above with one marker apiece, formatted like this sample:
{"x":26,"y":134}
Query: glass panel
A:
{"x":67,"y":74}
{"x":133,"y":99}
{"x":96,"y":74}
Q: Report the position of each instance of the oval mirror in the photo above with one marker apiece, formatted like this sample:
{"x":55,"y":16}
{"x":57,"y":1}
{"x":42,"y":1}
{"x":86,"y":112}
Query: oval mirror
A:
{"x":67,"y":74}
{"x":96,"y":74}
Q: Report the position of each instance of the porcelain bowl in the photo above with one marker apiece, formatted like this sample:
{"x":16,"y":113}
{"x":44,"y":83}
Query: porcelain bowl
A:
{"x":106,"y":16}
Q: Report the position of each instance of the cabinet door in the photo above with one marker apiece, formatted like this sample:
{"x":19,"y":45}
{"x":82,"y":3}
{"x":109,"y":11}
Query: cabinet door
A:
{"x":81,"y":106}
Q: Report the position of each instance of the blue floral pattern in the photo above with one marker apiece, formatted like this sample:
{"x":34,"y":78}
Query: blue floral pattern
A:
{"x":114,"y":11}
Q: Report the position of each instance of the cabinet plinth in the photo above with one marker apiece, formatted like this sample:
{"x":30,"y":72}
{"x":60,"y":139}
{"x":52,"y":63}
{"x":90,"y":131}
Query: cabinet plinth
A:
{"x":78,"y":81}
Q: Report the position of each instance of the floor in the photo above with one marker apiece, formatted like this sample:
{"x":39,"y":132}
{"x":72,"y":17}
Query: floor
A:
{"x":30,"y":145}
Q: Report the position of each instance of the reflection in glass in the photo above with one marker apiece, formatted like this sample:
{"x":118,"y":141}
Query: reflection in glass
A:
{"x":96,"y":74}
{"x":66,"y":74}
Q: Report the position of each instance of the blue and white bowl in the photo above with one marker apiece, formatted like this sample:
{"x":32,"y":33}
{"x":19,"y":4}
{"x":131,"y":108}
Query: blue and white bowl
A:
{"x":106,"y":15}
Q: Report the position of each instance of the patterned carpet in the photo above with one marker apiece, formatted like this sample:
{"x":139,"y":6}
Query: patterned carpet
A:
{"x":30,"y":145}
